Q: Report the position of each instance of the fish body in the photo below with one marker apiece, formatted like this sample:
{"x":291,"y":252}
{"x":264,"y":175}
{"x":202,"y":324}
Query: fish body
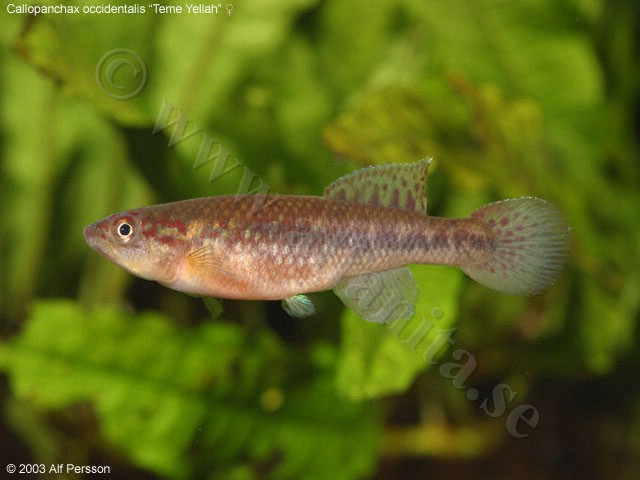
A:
{"x":356,"y":239}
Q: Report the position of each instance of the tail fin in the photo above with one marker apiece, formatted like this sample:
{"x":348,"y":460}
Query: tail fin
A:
{"x":531,"y":245}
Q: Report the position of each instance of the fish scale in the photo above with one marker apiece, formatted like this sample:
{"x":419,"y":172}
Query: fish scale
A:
{"x":356,"y":239}
{"x":324,"y":234}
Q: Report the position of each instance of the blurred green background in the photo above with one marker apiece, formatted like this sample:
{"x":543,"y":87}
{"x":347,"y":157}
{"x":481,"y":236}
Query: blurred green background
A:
{"x":510,"y":98}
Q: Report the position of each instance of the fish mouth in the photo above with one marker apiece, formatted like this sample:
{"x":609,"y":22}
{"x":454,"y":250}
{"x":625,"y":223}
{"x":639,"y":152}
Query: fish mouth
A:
{"x":90,"y":234}
{"x":93,"y":236}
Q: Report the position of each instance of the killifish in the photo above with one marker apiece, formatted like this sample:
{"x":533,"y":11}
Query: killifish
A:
{"x":357,"y":239}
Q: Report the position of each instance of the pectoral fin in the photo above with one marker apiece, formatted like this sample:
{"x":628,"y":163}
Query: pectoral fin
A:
{"x":205,"y":256}
{"x":207,"y":260}
{"x":380,"y":297}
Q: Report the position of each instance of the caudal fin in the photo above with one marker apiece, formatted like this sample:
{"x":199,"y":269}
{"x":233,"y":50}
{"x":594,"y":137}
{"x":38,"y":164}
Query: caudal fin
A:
{"x":531,"y":245}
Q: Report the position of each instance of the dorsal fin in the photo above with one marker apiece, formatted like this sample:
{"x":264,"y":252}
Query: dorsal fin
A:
{"x":400,"y":185}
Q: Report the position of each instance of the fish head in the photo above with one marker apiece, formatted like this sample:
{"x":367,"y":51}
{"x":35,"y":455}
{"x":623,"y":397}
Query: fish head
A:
{"x":138,"y":242}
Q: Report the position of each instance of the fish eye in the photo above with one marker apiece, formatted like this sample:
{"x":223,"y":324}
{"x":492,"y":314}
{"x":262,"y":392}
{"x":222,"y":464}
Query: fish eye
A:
{"x":124,"y":230}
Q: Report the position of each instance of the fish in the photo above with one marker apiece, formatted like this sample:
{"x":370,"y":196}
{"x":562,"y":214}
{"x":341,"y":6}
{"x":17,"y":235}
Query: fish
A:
{"x":357,"y":239}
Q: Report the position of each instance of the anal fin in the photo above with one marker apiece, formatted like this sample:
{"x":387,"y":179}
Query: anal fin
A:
{"x":380,"y":297}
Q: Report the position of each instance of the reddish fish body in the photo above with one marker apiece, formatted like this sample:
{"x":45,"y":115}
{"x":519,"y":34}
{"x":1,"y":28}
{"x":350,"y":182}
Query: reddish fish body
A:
{"x":271,"y":247}
{"x":277,"y":247}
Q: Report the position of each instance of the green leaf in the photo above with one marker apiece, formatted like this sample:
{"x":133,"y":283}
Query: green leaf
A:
{"x":605,"y":325}
{"x":26,"y":192}
{"x":387,"y":126}
{"x":378,"y":360}
{"x":191,"y":401}
{"x":58,"y":154}
{"x":53,"y":44}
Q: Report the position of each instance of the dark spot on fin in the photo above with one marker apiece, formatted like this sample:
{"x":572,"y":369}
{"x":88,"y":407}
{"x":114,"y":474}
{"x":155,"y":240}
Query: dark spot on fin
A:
{"x":530,"y":246}
{"x":298,"y":306}
{"x":380,"y":297}
{"x":401,"y":185}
